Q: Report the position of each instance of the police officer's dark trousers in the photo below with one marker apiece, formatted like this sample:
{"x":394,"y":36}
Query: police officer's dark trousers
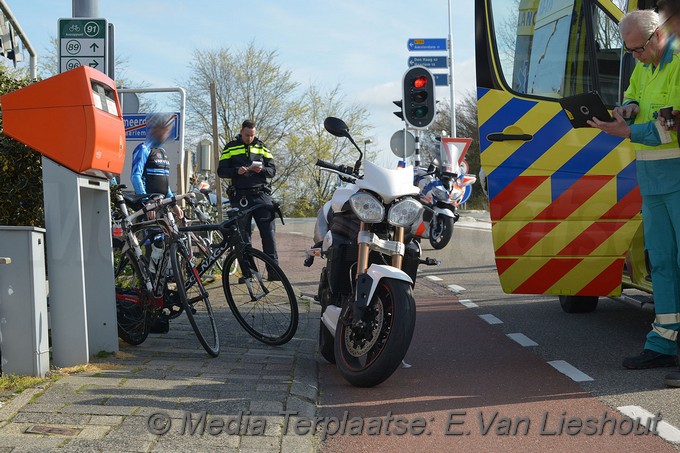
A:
{"x":264,"y":219}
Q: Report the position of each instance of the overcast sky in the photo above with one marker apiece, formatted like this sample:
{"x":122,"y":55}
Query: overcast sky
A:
{"x":361,"y":45}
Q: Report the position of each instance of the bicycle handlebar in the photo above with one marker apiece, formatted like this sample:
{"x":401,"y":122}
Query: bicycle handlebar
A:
{"x":234,"y":215}
{"x":157,"y":204}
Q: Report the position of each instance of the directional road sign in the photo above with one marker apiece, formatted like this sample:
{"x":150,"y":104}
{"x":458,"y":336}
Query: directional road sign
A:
{"x":441,"y":80}
{"x":415,"y":44}
{"x":428,"y":62}
{"x":82,"y":42}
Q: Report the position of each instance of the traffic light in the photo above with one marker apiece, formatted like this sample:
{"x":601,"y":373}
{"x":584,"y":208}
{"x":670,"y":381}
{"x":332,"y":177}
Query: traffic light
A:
{"x":400,"y":113}
{"x":418,"y":96}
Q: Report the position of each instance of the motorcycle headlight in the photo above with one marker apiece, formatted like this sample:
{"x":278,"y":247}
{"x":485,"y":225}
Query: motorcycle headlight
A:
{"x":404,"y":213}
{"x":440,"y":193}
{"x":368,"y":208}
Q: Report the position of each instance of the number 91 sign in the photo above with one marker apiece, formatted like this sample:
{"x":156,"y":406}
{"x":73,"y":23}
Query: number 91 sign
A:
{"x":83,"y":42}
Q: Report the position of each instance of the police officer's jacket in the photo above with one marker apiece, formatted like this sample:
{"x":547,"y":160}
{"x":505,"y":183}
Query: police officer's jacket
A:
{"x":237,"y":154}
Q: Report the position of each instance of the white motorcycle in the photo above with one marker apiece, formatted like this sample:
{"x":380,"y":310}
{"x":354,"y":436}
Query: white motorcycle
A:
{"x":365,"y":234}
{"x":441,"y":192}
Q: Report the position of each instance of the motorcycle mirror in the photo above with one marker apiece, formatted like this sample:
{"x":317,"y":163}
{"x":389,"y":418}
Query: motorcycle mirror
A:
{"x":336,"y":126}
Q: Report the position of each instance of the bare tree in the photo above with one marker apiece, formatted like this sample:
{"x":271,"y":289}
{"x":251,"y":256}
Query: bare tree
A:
{"x":251,"y":84}
{"x":302,"y":182}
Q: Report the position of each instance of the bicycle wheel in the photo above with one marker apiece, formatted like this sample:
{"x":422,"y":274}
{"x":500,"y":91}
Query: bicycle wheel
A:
{"x":195,"y":300}
{"x":260,"y":297}
{"x":132,"y":308}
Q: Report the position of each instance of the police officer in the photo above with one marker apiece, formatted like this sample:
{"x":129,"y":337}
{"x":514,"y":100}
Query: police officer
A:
{"x":249,"y":164}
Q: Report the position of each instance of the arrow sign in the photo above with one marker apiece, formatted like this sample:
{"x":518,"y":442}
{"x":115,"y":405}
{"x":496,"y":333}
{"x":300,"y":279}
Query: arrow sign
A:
{"x":415,"y":44}
{"x":428,"y":62}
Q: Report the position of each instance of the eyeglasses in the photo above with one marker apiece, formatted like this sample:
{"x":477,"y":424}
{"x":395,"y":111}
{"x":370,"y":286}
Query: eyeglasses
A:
{"x":642,"y":49}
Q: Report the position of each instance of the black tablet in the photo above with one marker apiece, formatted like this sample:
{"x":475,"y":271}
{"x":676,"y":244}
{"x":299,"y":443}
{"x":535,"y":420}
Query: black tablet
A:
{"x":582,"y":107}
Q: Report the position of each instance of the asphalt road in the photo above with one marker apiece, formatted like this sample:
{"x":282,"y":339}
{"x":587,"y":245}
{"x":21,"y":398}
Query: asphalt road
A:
{"x":466,"y":357}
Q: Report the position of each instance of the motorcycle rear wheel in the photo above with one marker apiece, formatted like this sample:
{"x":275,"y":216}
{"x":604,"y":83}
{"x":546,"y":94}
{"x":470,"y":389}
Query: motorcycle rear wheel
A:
{"x":368,"y":356}
{"x":441,"y":231}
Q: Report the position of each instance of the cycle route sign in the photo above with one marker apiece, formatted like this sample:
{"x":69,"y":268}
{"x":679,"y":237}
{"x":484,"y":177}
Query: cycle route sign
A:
{"x":82,"y":42}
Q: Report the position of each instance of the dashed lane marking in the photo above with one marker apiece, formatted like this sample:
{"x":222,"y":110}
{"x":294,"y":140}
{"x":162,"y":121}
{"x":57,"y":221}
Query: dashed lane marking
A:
{"x":522,"y":339}
{"x":665,"y":429}
{"x":456,"y":288}
{"x":491,"y":319}
{"x":570,"y":371}
{"x":468,"y":303}
{"x":434,"y":278}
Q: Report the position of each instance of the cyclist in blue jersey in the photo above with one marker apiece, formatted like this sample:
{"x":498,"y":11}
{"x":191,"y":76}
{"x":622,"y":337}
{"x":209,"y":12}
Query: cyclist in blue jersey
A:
{"x":150,"y":164}
{"x":151,"y":174}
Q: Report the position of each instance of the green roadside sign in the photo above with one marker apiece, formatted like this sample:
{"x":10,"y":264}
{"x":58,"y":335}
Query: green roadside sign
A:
{"x":82,"y":42}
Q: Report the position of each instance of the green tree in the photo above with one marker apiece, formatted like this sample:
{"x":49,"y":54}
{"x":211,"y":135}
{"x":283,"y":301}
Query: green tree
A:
{"x":21,"y":191}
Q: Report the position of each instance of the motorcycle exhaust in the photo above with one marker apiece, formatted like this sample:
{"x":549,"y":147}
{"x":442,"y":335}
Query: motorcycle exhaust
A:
{"x":330,"y":318}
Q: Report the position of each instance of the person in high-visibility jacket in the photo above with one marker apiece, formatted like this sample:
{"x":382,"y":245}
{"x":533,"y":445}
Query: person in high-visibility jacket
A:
{"x":249,"y":164}
{"x":669,"y":11}
{"x":654,"y":84}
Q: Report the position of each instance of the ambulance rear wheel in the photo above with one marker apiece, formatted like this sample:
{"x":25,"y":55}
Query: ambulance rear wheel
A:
{"x":578,"y":304}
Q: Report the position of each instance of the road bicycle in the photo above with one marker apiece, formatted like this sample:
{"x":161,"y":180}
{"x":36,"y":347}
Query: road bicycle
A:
{"x":147,"y":293}
{"x":259,"y":295}
{"x":258,"y":292}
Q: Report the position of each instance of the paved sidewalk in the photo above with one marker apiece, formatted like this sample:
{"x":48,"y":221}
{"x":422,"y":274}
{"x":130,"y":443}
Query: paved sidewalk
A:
{"x":252,"y":391}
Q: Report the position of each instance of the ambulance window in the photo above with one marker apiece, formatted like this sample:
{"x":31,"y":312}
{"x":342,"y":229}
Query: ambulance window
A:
{"x":556,"y":48}
{"x":608,"y":55}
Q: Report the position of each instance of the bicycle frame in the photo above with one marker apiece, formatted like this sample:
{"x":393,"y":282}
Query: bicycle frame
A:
{"x":231,"y":240}
{"x":154,"y":284}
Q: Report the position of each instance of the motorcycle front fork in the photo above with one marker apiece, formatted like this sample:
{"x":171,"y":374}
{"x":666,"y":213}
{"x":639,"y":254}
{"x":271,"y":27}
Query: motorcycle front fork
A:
{"x":364,"y":251}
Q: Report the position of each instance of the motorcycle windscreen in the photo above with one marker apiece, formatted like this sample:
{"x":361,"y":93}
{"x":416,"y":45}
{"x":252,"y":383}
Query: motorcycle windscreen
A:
{"x":564,"y":202}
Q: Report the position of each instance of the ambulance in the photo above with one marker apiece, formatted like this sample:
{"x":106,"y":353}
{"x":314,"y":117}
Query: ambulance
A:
{"x":564,"y":202}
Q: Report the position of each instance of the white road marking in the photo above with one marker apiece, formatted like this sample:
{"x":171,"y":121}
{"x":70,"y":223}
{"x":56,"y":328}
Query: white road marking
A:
{"x":570,"y":371}
{"x":664,"y":429}
{"x":456,"y":289}
{"x":434,"y":278}
{"x":522,"y":339}
{"x":468,"y":303}
{"x":491,"y":319}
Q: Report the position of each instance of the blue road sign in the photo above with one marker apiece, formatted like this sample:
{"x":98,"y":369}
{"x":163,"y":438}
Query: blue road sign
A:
{"x":441,"y":80}
{"x":428,"y":62}
{"x":426,"y":44}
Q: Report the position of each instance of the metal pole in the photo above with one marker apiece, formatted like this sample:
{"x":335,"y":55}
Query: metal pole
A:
{"x":33,"y":60}
{"x":85,"y":8}
{"x":449,"y":44}
{"x":216,"y":150}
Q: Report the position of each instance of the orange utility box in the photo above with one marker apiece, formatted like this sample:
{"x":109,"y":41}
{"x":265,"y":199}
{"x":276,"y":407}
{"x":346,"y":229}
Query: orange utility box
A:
{"x":73,"y":118}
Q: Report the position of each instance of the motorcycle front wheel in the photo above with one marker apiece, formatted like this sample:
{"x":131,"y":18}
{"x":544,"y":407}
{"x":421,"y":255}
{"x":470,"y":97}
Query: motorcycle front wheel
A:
{"x":367,"y":354}
{"x":441,"y":231}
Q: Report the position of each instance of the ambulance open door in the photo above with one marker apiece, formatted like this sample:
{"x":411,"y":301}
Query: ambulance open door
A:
{"x":564,"y":202}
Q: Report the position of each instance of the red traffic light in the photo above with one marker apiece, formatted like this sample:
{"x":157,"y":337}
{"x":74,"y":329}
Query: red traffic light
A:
{"x":419,"y":97}
{"x":420,"y":82}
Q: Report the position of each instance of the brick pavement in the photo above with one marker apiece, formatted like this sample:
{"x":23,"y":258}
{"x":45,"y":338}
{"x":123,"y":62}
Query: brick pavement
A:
{"x":249,"y":386}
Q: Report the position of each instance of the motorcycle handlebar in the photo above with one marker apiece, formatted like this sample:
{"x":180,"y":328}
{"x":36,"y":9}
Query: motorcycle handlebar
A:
{"x":339,"y":168}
